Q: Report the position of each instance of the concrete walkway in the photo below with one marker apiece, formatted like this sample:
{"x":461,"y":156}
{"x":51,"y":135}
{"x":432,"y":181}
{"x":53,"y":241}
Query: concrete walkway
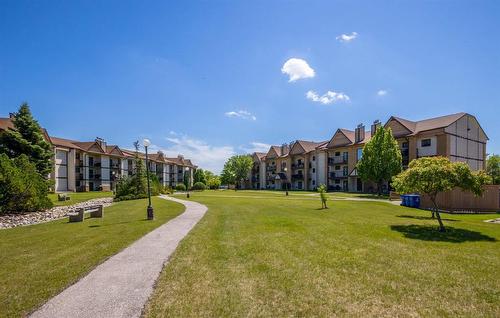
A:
{"x":121,"y":286}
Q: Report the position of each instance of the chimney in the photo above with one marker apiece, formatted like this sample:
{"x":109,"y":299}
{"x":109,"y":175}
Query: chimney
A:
{"x":11,"y":115}
{"x":376,"y":124}
{"x":284,"y":149}
{"x":101,"y":143}
{"x":359,"y":133}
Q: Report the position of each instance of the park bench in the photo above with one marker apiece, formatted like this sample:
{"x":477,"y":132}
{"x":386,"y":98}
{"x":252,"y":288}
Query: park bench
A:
{"x":96,"y":211}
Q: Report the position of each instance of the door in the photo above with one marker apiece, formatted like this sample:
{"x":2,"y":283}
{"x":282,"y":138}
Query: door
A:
{"x":359,"y":185}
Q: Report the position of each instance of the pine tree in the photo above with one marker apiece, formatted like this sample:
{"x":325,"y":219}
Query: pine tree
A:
{"x":27,"y":138}
{"x":139,"y":177}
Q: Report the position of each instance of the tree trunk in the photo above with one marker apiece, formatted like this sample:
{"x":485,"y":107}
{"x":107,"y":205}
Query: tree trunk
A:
{"x":379,"y":188}
{"x":441,"y":225}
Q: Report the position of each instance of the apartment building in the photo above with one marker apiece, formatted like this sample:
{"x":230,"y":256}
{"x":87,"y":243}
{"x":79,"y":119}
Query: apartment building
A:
{"x":303,"y":165}
{"x":97,"y":166}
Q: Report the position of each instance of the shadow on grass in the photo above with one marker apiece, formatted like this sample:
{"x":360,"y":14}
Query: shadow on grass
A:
{"x":431,"y":233}
{"x":424,"y":218}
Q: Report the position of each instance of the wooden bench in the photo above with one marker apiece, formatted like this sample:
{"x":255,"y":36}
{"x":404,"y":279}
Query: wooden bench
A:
{"x":96,"y":211}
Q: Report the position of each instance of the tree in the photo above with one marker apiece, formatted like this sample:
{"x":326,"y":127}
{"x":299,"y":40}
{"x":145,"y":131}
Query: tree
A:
{"x":27,"y":138}
{"x":140,"y":182}
{"x":381,"y":158}
{"x":433,"y":175}
{"x":199,"y":176}
{"x":212,"y":181}
{"x":236,"y":169}
{"x":323,"y":196}
{"x":22,"y":188}
{"x":493,"y":168}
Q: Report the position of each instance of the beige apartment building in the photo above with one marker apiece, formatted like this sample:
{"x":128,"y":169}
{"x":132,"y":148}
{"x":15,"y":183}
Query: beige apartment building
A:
{"x":97,"y":166}
{"x":303,"y":165}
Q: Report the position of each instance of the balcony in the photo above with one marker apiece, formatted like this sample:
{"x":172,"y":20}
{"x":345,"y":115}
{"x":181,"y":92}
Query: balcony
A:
{"x":298,"y":165}
{"x":338,"y":160}
{"x":338,"y":174}
{"x":298,"y":176}
{"x":271,"y":168}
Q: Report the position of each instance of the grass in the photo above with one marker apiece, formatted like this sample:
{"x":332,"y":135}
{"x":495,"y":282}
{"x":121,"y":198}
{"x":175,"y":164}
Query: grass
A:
{"x":262,"y":254}
{"x":39,"y":261}
{"x":77,"y":197}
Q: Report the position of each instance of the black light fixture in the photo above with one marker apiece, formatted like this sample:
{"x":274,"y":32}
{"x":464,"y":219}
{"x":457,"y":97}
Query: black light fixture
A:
{"x":146,"y":144}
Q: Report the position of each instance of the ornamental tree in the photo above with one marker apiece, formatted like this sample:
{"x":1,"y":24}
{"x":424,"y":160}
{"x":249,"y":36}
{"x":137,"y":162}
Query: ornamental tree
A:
{"x":199,"y":176}
{"x":381,"y":158}
{"x":27,"y":138}
{"x":433,"y":175}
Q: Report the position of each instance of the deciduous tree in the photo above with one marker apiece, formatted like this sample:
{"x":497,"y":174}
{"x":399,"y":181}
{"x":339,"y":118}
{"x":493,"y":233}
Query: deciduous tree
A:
{"x":236,"y":169}
{"x":493,"y":168}
{"x":381,"y":158}
{"x":433,"y":175}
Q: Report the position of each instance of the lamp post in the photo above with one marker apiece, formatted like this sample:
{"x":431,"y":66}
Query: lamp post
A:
{"x":286,"y":183}
{"x":186,"y":170}
{"x":146,"y":144}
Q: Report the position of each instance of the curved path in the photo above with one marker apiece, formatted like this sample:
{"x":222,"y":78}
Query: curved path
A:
{"x":121,"y":286}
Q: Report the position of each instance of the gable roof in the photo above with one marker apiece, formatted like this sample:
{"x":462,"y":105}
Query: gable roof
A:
{"x":274,"y":152}
{"x":6,"y":123}
{"x":258,"y":156}
{"x":306,"y":146}
{"x":415,"y":127}
{"x":61,"y":142}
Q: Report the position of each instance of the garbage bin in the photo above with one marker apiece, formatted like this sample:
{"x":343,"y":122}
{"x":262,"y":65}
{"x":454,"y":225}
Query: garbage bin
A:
{"x":413,"y":201}
{"x":404,"y":200}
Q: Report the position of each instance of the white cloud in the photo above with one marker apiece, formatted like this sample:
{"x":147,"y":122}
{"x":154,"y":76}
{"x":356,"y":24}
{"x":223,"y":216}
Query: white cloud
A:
{"x":243,"y":114}
{"x":297,"y":69}
{"x":382,"y":92}
{"x":256,"y":147}
{"x":347,"y":37}
{"x":328,"y":98}
{"x":201,"y":153}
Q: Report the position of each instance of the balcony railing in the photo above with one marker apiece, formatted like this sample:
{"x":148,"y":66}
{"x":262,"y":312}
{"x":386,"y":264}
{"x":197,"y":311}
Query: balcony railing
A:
{"x":337,"y":160}
{"x":299,"y":176}
{"x":298,"y":165}
{"x":271,"y":168}
{"x":338,"y":174}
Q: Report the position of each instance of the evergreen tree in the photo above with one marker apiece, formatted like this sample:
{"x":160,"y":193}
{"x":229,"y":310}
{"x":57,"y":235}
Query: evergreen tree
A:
{"x":381,"y":158}
{"x":27,"y":138}
{"x":199,"y":176}
{"x":139,"y":182}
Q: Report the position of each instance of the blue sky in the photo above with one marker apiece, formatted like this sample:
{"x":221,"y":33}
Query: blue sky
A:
{"x":206,"y":78}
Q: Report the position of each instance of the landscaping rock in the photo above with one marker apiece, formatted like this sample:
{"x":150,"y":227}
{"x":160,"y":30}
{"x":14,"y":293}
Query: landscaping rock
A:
{"x":58,"y":212}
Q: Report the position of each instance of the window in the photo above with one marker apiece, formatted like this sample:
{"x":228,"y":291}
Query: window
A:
{"x":425,"y":143}
{"x":360,"y":153}
{"x":314,"y":170}
{"x":405,"y":144}
{"x":337,"y":154}
{"x":337,"y":167}
{"x":313,"y":182}
{"x":314,"y":158}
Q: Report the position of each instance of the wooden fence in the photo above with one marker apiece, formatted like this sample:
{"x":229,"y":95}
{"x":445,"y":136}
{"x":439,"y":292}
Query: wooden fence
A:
{"x":459,"y":201}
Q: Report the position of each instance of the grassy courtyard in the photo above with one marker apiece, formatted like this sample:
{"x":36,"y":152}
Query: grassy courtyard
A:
{"x":258,"y":253}
{"x":38,"y":261}
{"x":77,"y":197}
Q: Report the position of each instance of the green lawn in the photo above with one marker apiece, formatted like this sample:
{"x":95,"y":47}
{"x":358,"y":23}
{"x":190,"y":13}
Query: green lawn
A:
{"x":260,"y":253}
{"x":38,"y":261}
{"x":77,"y":197}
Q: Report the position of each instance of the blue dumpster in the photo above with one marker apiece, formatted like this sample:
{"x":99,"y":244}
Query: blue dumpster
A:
{"x":404,"y":200}
{"x":410,"y":200}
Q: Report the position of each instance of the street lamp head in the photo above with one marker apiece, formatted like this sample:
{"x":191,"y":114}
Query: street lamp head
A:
{"x":284,"y":169}
{"x":146,"y":142}
{"x":186,"y":168}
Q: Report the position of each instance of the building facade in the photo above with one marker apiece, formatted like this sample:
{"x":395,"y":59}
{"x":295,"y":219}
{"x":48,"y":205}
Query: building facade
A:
{"x":303,"y":165}
{"x":97,"y":166}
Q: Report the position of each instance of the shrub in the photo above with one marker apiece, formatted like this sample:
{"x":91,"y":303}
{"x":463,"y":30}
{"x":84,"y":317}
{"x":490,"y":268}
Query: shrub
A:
{"x":199,"y":186}
{"x":22,"y":188}
{"x":180,"y":187}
